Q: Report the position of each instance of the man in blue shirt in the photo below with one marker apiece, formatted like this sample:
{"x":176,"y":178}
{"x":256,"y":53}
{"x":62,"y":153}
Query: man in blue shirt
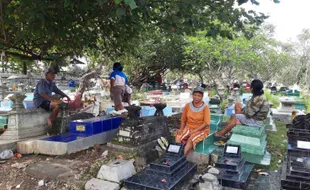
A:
{"x":43,"y":95}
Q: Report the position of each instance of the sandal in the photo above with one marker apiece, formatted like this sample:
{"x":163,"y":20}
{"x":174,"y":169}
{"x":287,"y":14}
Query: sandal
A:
{"x":219,"y":137}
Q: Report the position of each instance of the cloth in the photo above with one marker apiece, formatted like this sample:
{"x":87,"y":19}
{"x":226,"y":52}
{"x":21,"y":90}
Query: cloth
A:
{"x":118,"y":94}
{"x":248,"y":121}
{"x":46,"y":104}
{"x":195,"y":117}
{"x":44,"y":87}
{"x":257,"y":108}
{"x":195,"y":137}
{"x":119,"y":77}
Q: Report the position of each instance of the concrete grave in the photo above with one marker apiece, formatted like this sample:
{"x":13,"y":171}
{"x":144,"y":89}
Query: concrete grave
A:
{"x":83,"y":134}
{"x":97,"y":184}
{"x":284,"y":113}
{"x":167,"y":173}
{"x":117,"y":171}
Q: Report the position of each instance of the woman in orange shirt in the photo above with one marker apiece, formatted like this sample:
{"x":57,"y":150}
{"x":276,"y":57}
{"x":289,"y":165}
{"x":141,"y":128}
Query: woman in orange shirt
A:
{"x":195,"y":122}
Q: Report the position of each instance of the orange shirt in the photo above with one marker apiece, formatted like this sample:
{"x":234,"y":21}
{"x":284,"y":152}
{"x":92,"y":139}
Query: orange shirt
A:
{"x":196,"y":117}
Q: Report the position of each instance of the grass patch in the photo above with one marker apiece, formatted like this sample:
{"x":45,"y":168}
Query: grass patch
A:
{"x":277,"y":147}
{"x":272,"y":98}
{"x":307,"y":103}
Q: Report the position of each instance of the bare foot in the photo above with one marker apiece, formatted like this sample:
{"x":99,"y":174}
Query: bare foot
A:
{"x":49,"y":122}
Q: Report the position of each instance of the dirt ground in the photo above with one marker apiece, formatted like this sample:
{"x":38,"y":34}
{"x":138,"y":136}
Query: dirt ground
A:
{"x":83,"y":166}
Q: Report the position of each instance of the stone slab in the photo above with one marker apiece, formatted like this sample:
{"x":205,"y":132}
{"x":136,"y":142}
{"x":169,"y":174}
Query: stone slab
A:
{"x":61,"y":148}
{"x":28,"y":146}
{"x":7,"y":144}
{"x":198,"y":158}
{"x":97,"y":184}
{"x":54,"y":170}
{"x":25,"y":123}
{"x":117,"y":170}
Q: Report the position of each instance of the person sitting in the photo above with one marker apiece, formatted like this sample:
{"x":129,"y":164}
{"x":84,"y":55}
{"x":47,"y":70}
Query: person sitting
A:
{"x":42,"y":97}
{"x":195,"y":122}
{"x":254,"y":114}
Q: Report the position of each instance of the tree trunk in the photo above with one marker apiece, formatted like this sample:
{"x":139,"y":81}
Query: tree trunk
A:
{"x":24,"y":68}
{"x":201,"y":78}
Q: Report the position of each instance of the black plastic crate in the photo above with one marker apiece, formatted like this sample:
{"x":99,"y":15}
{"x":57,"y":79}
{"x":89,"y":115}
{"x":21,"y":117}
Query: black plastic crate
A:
{"x":167,"y":163}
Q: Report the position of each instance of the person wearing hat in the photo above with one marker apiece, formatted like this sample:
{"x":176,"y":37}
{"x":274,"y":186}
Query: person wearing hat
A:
{"x":118,"y":81}
{"x":195,"y":122}
{"x":43,"y":95}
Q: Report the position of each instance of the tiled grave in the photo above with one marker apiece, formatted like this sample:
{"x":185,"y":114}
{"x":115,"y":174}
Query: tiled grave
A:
{"x":299,"y":104}
{"x":284,"y":113}
{"x":83,"y":134}
{"x":138,"y":131}
{"x":294,"y":93}
{"x":234,"y":170}
{"x":168,"y":172}
{"x":215,"y":106}
{"x":207,"y":145}
{"x":296,"y":168}
{"x":252,"y":141}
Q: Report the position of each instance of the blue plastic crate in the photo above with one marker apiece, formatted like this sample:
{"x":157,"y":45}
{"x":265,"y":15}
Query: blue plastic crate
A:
{"x":110,"y":123}
{"x":87,"y":126}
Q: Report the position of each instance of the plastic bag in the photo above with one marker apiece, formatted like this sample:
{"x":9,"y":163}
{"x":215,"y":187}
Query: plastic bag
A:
{"x":6,"y":154}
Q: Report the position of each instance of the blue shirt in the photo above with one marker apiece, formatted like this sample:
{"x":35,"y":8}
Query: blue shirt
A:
{"x":119,"y":77}
{"x":44,"y":87}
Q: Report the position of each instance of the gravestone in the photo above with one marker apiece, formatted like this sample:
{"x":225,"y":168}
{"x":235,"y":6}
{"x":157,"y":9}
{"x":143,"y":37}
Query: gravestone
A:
{"x":269,"y":123}
{"x":230,"y":107}
{"x":284,"y":113}
{"x":82,"y":135}
{"x":253,"y":142}
{"x":296,"y":168}
{"x":137,"y":131}
{"x":168,"y":172}
{"x":234,"y":170}
{"x":3,"y":91}
{"x":215,"y":106}
{"x":235,"y":93}
{"x":24,"y":123}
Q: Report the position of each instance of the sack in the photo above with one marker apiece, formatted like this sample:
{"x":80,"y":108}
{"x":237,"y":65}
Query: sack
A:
{"x":128,"y":90}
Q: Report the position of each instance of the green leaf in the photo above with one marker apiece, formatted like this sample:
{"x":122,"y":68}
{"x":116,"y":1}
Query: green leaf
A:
{"x":101,"y":2}
{"x":120,"y":12}
{"x":118,"y":1}
{"x":131,"y":3}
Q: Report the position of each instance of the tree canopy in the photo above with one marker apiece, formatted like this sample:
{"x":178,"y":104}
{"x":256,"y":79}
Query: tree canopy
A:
{"x":53,"y":29}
